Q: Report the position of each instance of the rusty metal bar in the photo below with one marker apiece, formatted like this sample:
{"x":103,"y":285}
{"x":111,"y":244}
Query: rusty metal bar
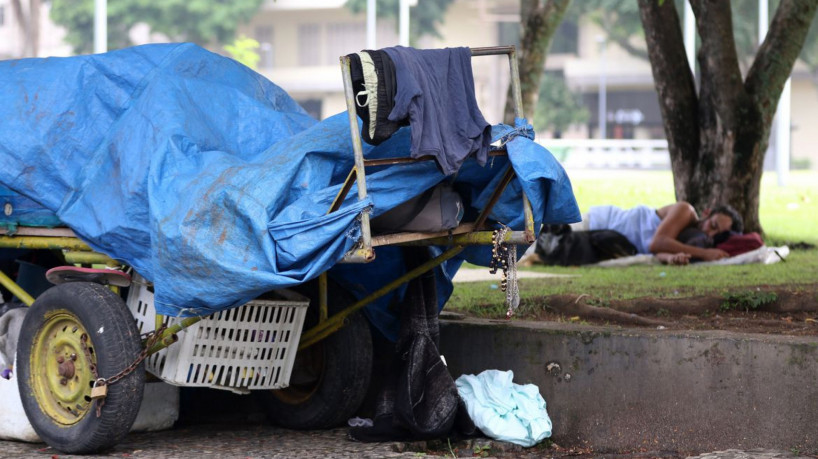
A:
{"x":408,"y":160}
{"x":358,"y":255}
{"x":517,"y":98}
{"x":364,"y":253}
{"x":89,"y":258}
{"x":492,"y":50}
{"x":323,"y":300}
{"x":474,"y":238}
{"x":393,"y":161}
{"x":335,"y":322}
{"x":529,"y":220}
{"x":366,"y":243}
{"x":37,"y":231}
{"x":342,"y":193}
{"x":43,"y":242}
{"x":495,"y":197}
{"x":516,"y":92}
{"x":159,"y":319}
{"x":15,"y":289}
{"x":169,"y":335}
{"x":399,"y":238}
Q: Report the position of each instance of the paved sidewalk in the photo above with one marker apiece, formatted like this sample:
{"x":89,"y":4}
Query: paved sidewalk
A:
{"x":264,"y":441}
{"x":479,"y":275}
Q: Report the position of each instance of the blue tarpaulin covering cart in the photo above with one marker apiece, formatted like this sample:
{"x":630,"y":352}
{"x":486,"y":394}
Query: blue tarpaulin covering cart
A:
{"x":215,"y":188}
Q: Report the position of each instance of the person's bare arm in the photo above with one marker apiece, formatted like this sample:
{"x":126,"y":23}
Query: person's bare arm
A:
{"x":675,"y":218}
{"x":680,"y":258}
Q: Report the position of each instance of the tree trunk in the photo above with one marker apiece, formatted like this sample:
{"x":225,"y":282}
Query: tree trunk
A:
{"x":729,"y":167}
{"x":676,"y":89}
{"x":717,"y":140}
{"x":34,"y":26}
{"x":23,"y":27}
{"x":539,"y":21}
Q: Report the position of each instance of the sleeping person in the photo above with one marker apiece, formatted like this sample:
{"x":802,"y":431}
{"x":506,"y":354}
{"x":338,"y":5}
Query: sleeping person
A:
{"x":675,"y":234}
{"x":657,"y":231}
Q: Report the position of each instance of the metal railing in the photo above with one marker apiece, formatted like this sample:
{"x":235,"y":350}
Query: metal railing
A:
{"x":609,"y":153}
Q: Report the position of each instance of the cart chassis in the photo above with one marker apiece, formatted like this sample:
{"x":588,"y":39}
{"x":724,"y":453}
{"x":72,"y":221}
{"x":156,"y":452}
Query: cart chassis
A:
{"x":77,"y":252}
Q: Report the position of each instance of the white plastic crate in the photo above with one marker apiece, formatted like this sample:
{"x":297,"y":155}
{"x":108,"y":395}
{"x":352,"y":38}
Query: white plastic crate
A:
{"x":245,"y":348}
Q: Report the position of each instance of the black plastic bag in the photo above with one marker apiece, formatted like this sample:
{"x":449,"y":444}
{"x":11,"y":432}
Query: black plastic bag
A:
{"x":419,"y":400}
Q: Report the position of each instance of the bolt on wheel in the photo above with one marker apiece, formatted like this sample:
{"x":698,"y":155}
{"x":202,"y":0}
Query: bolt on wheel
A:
{"x":63,"y":359}
{"x":73,"y":334}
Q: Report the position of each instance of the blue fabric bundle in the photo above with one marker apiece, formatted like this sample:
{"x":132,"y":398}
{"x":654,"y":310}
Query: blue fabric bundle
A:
{"x":213,"y":183}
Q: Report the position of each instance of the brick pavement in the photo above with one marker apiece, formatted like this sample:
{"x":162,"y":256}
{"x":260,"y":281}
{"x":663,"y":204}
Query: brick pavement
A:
{"x":265,"y":441}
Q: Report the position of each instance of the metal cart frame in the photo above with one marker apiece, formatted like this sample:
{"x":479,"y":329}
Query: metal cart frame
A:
{"x":77,"y":252}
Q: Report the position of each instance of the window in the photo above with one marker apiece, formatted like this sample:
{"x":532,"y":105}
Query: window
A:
{"x":309,"y":39}
{"x":264,"y":37}
{"x":344,"y":38}
{"x":508,"y":33}
{"x":312,"y":107}
{"x":566,"y":38}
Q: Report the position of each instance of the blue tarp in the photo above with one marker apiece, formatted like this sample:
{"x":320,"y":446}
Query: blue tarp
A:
{"x":211,"y":181}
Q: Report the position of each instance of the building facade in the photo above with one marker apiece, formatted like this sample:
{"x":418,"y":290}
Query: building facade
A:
{"x":301,"y":41}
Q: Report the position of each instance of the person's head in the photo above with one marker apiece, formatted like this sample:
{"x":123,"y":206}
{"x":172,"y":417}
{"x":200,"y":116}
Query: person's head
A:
{"x":719,"y":219}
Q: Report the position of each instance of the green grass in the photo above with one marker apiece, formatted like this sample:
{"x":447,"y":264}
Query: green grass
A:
{"x":799,"y":273}
{"x":788,"y":214}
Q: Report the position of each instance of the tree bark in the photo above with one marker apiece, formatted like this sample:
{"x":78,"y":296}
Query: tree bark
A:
{"x":717,"y":140}
{"x":676,"y":89}
{"x":539,"y":20}
{"x":23,"y":27}
{"x":34,"y":26}
{"x":778,"y":53}
{"x":730,"y":126}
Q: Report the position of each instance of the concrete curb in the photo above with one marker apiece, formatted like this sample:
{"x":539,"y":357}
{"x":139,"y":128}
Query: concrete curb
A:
{"x":616,"y":389}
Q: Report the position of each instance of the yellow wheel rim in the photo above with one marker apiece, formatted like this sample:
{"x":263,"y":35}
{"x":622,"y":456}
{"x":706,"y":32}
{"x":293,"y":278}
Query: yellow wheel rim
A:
{"x":61,"y":372}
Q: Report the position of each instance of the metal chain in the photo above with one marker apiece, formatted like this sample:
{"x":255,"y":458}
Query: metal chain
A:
{"x":512,"y":289}
{"x":505,"y":258}
{"x":151,"y":339}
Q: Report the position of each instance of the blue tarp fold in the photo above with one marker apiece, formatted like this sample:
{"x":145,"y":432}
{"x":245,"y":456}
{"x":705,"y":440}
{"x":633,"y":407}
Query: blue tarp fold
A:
{"x":210,"y":180}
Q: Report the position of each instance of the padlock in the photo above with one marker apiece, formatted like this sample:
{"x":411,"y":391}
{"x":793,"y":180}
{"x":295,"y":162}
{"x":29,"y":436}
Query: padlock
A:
{"x":100,"y":389}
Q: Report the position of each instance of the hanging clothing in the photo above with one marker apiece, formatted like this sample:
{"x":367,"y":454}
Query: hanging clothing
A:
{"x":435,"y":90}
{"x":374,"y":86}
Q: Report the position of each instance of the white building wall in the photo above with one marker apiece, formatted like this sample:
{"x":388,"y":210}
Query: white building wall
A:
{"x":51,"y":35}
{"x":467,"y":23}
{"x":463,"y":27}
{"x":9,"y":35}
{"x":804,"y":119}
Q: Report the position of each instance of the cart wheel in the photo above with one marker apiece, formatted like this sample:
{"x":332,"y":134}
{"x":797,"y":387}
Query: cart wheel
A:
{"x":56,"y":373}
{"x":329,"y":379}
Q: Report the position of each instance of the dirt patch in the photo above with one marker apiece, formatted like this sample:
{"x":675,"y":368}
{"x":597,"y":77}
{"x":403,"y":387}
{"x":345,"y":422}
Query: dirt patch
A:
{"x":774,"y":310}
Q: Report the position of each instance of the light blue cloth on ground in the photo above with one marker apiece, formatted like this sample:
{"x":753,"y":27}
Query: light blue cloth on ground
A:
{"x":638,"y":224}
{"x":503,"y":410}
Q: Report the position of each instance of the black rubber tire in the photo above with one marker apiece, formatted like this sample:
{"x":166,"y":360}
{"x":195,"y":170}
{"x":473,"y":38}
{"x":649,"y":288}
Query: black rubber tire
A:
{"x":330,"y":379}
{"x":114,"y":341}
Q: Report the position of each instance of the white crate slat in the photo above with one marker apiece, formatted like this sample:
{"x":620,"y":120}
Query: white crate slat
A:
{"x":250,"y":347}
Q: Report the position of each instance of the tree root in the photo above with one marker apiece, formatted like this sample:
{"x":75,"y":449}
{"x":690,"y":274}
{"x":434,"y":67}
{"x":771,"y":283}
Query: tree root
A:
{"x":579,"y":307}
{"x":633,"y":311}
